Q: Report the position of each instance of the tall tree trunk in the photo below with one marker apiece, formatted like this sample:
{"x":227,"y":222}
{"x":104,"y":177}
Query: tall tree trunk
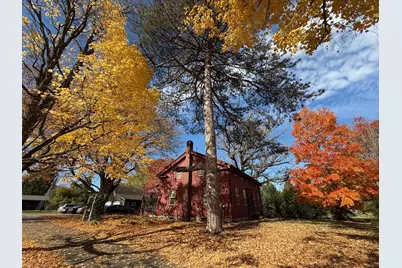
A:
{"x":214,"y":223}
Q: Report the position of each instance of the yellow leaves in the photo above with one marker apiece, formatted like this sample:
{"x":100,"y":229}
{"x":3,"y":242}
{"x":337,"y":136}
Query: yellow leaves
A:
{"x":25,"y":21}
{"x":302,"y":25}
{"x":33,"y":255}
{"x":265,"y":243}
{"x":241,"y":17}
{"x":113,"y":87}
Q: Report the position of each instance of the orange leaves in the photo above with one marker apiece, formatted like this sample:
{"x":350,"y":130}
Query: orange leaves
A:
{"x":333,"y":171}
{"x":343,"y":197}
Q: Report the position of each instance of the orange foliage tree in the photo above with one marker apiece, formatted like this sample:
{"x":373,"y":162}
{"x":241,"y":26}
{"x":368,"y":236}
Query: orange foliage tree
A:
{"x":332,"y":170}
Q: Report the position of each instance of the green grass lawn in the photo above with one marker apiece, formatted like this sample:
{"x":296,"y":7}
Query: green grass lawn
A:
{"x":40,"y":211}
{"x":363,"y":216}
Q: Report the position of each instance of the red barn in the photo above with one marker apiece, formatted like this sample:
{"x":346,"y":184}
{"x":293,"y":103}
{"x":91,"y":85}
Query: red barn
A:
{"x":168,"y":194}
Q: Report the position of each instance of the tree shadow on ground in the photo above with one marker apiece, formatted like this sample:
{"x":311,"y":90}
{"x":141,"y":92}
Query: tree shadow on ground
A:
{"x":320,"y":239}
{"x":249,"y":224}
{"x":81,"y":249}
{"x":369,"y":226}
{"x":242,"y":259}
{"x":373,"y":238}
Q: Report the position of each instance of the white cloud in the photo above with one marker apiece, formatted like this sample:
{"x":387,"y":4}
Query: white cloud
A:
{"x":360,"y":73}
{"x":338,"y":84}
{"x":340,"y":65}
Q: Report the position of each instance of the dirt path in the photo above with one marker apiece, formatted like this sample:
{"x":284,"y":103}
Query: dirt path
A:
{"x":81,"y":250}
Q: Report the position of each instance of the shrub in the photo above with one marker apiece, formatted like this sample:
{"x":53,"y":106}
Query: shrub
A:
{"x":292,"y":207}
{"x":372,"y":207}
{"x":271,"y":201}
{"x":286,"y":203}
{"x":74,"y":194}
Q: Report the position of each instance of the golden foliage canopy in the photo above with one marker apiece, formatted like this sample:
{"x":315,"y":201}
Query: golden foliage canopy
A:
{"x":54,"y":33}
{"x":303,"y":24}
{"x":113,"y":83}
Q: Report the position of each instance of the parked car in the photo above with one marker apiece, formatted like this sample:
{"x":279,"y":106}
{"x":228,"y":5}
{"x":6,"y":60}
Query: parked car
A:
{"x":66,"y":208}
{"x":117,"y":209}
{"x":73,"y":210}
{"x":81,"y":210}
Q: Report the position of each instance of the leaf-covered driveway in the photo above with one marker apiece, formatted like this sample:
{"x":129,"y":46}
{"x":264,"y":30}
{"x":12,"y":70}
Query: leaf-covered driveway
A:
{"x":43,"y":239}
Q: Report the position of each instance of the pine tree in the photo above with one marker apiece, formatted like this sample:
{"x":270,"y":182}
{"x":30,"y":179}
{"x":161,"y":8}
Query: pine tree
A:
{"x":205,"y":85}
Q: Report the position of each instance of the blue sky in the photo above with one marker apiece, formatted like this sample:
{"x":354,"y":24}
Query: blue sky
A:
{"x":347,"y":70}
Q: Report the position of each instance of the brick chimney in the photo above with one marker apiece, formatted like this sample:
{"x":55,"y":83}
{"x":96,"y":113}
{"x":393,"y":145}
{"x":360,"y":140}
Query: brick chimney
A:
{"x":189,"y":146}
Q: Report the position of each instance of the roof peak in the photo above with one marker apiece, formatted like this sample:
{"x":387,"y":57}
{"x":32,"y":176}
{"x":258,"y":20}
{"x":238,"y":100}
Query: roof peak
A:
{"x":219,"y":162}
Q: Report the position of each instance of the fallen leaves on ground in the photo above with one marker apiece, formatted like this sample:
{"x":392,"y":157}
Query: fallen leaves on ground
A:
{"x":265,"y":243}
{"x":33,"y":256}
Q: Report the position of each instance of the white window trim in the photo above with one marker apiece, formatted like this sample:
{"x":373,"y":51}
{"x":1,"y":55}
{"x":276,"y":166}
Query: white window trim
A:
{"x":172,"y":196}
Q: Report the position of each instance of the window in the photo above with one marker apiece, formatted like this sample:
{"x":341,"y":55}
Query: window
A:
{"x":253,"y":200}
{"x":200,"y":173}
{"x":172,"y":198}
{"x":178,"y":175}
{"x":245,"y":198}
{"x":237,"y":196}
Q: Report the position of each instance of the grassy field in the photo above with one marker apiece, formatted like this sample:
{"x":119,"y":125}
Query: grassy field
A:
{"x":40,"y":211}
{"x":363,"y":217}
{"x":263,"y":243}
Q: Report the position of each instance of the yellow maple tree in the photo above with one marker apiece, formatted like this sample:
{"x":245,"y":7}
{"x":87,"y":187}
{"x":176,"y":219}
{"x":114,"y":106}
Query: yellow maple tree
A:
{"x":54,"y":34}
{"x":302,"y":24}
{"x":113,"y":84}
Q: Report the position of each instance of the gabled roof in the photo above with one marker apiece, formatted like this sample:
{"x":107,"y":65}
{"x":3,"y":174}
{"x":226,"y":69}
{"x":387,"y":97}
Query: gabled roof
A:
{"x":222,"y":166}
{"x":127,"y":192}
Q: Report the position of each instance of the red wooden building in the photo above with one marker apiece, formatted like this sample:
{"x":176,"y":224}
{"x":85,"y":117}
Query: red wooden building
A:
{"x":169,"y":193}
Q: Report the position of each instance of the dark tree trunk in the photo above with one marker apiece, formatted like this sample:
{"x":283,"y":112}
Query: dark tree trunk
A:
{"x":341,"y":214}
{"x":187,"y":212}
{"x":214,"y":223}
{"x":106,"y":189}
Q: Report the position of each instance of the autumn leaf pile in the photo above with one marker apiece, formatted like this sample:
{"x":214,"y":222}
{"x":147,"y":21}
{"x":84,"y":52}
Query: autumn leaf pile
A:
{"x":266,"y":243}
{"x":33,"y":256}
